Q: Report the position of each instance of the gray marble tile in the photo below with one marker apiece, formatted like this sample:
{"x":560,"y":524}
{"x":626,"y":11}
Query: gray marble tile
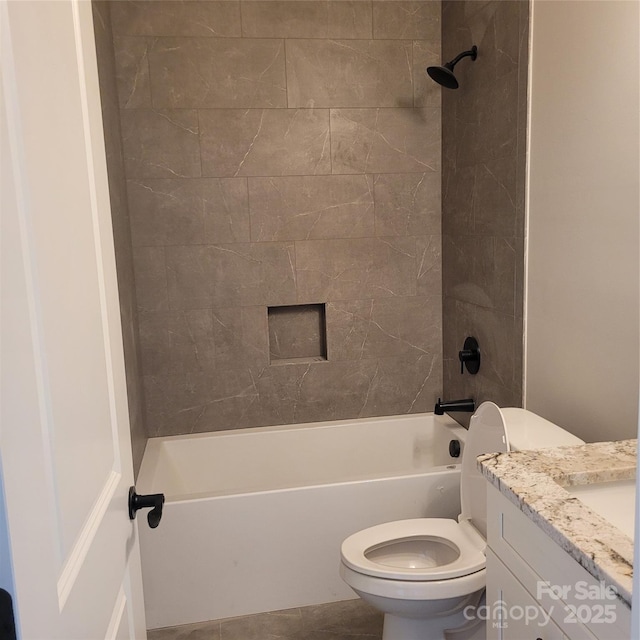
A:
{"x":246,"y":396}
{"x":458,"y":323}
{"x":265,"y":142}
{"x":176,"y":18}
{"x":333,"y":390}
{"x":429,"y":265}
{"x":387,"y":327}
{"x":132,"y":72}
{"x":349,"y":19}
{"x":276,"y":624}
{"x":500,"y":338}
{"x":459,"y":278}
{"x":385,"y":140}
{"x":198,"y":402}
{"x":169,"y":211}
{"x":481,"y":270}
{"x":149,"y":267}
{"x":204,"y":72}
{"x":406,"y":20}
{"x":346,"y":619}
{"x":279,"y":391}
{"x":483,"y":210}
{"x":333,"y":621}
{"x":176,"y":341}
{"x":459,"y":200}
{"x":241,"y":274}
{"x":241,"y":336}
{"x":308,"y":207}
{"x":121,"y":228}
{"x":407,"y":204}
{"x":356,"y":268}
{"x":426,"y":93}
{"x":306,"y":19}
{"x":504,"y":46}
{"x":236,"y":397}
{"x":498,"y":333}
{"x":504,"y":395}
{"x":160,"y":144}
{"x":349,"y":73}
{"x":494,"y":199}
{"x":404,"y":384}
{"x":487,"y":120}
{"x":199,"y":631}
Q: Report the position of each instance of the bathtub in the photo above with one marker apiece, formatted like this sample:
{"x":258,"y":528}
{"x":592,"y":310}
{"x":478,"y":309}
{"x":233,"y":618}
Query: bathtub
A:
{"x":254,"y":519}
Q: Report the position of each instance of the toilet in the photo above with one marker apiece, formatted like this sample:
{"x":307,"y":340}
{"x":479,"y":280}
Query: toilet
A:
{"x":427,"y":574}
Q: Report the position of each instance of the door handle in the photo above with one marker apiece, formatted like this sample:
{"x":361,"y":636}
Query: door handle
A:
{"x":153,"y":501}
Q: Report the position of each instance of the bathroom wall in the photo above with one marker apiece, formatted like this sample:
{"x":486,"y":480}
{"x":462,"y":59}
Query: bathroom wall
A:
{"x":583,"y":249}
{"x":121,"y":227}
{"x":283,"y":154}
{"x":484,"y":135}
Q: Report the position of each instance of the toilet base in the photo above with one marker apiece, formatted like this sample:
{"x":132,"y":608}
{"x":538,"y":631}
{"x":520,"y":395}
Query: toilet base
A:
{"x":397,"y":628}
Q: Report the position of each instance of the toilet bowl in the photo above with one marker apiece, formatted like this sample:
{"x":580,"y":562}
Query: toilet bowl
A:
{"x":427,"y":575}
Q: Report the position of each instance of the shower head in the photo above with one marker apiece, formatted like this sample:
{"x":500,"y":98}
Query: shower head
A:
{"x":444,"y":75}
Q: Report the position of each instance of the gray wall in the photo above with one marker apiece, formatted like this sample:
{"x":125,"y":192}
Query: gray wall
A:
{"x":484,"y":126}
{"x":282,"y":153}
{"x":121,"y":228}
{"x":583,"y":289}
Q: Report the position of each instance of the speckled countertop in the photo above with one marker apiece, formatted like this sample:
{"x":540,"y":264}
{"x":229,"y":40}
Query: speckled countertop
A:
{"x":534,"y":481}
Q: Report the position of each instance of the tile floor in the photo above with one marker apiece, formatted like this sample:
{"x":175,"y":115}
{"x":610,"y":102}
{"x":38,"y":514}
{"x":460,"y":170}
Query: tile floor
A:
{"x":345,"y":620}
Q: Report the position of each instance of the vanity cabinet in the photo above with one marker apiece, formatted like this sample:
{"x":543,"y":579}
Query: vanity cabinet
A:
{"x":536,"y":591}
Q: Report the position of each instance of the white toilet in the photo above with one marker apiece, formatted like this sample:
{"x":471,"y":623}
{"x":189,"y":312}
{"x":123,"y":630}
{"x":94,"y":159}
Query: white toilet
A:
{"x":423,"y":573}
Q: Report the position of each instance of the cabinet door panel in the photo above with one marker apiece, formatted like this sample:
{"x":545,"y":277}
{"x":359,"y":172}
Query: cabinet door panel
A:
{"x":513,"y":614}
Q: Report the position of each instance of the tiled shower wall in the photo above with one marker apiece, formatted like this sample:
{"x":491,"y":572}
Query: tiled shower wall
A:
{"x":282,"y":153}
{"x":121,"y":227}
{"x":484,"y":131}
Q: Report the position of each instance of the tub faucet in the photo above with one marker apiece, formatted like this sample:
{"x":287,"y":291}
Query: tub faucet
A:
{"x":468,"y":405}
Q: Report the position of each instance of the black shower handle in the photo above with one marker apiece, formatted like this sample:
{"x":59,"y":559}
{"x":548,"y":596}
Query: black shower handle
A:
{"x":470,"y":356}
{"x":153,"y":501}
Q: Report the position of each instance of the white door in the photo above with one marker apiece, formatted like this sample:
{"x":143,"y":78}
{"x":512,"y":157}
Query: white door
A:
{"x":64,"y":439}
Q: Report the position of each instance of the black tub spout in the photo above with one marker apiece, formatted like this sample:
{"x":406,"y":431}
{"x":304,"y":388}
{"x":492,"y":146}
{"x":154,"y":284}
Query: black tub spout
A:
{"x":467,"y":405}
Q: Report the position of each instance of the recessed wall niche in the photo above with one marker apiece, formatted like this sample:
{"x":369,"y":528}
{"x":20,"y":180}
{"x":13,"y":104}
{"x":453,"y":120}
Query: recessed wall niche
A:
{"x":297,"y":333}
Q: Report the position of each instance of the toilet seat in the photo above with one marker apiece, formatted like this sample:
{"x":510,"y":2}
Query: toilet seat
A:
{"x":437,"y":549}
{"x":409,"y":590}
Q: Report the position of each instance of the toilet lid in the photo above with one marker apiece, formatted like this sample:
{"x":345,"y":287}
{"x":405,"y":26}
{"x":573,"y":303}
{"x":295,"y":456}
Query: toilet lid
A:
{"x":422,"y":549}
{"x":487,"y":434}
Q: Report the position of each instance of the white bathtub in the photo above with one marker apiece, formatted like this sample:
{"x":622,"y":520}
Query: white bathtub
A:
{"x":254,"y":519}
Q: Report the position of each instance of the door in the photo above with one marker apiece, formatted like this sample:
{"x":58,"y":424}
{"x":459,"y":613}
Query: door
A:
{"x":64,"y":436}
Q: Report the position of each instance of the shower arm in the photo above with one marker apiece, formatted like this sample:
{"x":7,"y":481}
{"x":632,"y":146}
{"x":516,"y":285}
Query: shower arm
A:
{"x":473,"y":52}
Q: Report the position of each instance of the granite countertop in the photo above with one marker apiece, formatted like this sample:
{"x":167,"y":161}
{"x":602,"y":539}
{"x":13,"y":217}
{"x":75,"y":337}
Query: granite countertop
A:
{"x":534,"y":481}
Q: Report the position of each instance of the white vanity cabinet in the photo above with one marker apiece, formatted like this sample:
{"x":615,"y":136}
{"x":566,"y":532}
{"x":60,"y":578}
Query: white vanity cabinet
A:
{"x":536,"y":591}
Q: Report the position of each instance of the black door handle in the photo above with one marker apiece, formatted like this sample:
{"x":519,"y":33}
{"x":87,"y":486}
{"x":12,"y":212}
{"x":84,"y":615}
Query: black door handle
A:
{"x":153,"y":501}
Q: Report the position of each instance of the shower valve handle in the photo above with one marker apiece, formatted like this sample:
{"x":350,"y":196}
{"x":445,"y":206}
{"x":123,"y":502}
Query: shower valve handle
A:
{"x":153,"y":501}
{"x":470,"y":356}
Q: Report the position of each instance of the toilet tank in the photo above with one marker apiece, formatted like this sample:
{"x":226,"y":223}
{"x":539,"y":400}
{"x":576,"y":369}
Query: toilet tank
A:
{"x":527,"y":430}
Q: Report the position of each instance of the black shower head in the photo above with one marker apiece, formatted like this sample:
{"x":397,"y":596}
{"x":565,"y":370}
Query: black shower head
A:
{"x":444,"y":75}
